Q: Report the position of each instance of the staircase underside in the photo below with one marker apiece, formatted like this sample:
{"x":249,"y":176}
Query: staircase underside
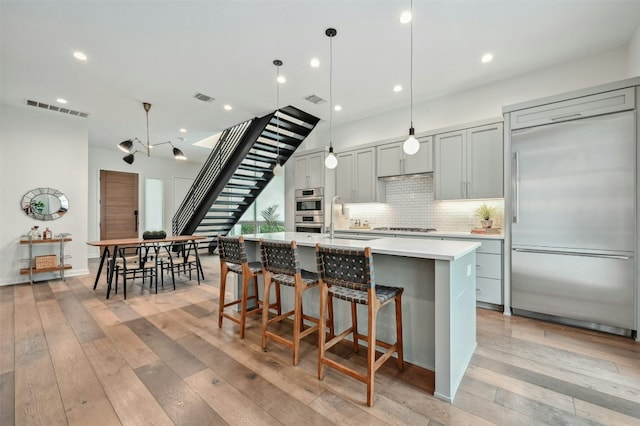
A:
{"x":239,"y":167}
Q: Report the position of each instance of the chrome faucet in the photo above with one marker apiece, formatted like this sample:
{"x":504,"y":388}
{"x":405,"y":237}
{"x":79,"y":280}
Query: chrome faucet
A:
{"x":333,"y":201}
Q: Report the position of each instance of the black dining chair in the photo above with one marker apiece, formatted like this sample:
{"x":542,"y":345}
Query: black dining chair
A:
{"x":140,"y":261}
{"x":177,"y":258}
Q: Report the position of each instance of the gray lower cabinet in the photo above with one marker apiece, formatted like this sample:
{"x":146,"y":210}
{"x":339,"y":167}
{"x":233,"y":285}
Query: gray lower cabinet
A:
{"x":489,"y":265}
{"x":488,"y":270}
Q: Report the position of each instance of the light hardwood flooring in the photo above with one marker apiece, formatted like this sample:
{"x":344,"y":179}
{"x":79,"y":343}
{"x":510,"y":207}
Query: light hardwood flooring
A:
{"x":69,"y":356}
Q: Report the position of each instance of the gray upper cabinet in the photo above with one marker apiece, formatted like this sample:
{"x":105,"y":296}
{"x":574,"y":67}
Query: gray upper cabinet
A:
{"x":469,"y":163}
{"x":309,"y":171}
{"x":392,"y":161}
{"x":355,"y":176}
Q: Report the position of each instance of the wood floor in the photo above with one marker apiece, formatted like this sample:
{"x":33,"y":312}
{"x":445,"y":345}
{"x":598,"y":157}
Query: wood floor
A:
{"x":68,"y":356}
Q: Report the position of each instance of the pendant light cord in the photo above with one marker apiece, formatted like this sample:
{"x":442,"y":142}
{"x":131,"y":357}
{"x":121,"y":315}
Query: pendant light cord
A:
{"x":148,"y":143}
{"x":330,"y":92}
{"x":411,"y":65}
{"x":276,"y":114}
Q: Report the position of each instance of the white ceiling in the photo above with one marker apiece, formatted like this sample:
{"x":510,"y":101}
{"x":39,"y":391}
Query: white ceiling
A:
{"x":163,"y":52}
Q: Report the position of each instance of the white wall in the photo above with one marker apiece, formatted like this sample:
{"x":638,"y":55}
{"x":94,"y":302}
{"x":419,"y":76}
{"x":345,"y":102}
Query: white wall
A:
{"x":481,"y":103}
{"x":40,"y":148}
{"x":634,"y":54}
{"x":146,"y":167}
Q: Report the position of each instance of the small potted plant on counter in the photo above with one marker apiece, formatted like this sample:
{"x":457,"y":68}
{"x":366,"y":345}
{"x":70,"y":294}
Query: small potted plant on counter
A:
{"x":486,"y":212}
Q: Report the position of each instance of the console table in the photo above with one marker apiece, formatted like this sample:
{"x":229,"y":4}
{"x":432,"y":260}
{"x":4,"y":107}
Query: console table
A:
{"x":59,"y":265}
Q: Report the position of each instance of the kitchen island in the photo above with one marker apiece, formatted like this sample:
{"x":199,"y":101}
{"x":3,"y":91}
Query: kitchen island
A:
{"x":439,"y":301}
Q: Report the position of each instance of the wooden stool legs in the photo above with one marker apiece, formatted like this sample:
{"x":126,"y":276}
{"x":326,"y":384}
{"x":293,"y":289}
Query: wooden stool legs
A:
{"x":241,"y":317}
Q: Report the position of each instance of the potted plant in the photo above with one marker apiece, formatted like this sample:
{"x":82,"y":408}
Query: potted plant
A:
{"x":486,"y":212}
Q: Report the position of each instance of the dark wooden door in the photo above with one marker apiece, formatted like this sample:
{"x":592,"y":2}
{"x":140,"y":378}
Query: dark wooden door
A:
{"x":118,"y":205}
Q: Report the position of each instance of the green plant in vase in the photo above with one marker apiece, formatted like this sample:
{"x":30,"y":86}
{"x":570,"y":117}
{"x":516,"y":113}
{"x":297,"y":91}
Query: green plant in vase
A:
{"x":486,"y":212}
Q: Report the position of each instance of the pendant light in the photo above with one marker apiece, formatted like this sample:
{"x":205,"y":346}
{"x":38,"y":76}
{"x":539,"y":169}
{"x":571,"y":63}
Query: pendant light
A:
{"x":278,"y":170}
{"x":411,"y":145}
{"x":331,"y":161}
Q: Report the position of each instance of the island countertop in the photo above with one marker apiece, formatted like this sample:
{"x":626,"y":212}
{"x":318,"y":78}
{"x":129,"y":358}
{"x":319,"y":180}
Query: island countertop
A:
{"x":408,"y":247}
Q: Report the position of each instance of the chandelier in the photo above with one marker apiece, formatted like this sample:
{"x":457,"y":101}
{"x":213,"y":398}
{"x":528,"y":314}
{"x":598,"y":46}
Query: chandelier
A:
{"x":128,"y":145}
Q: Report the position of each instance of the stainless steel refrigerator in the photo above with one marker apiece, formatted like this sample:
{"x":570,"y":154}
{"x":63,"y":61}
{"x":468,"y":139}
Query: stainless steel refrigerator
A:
{"x":573,"y":230}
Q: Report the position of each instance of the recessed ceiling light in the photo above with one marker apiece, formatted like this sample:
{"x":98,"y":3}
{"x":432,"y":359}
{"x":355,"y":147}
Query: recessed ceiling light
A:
{"x":80,"y":56}
{"x":315,"y":62}
{"x":61,"y":101}
{"x":406,"y":17}
{"x":486,"y":58}
{"x":281,"y":79}
{"x":337,"y":108}
{"x":183,"y":130}
{"x":228,"y":107}
{"x":397,"y":88}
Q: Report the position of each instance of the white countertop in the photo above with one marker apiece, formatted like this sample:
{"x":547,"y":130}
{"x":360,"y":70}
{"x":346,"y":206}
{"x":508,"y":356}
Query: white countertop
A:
{"x":409,"y":247}
{"x":440,"y":234}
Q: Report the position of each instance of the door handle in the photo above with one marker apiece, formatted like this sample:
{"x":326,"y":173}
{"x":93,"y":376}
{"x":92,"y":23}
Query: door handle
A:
{"x":135,"y":215}
{"x":574,"y":253}
{"x":515,"y":206}
{"x":564,"y":117}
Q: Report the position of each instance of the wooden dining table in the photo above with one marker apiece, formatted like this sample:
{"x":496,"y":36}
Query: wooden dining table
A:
{"x":110,"y":248}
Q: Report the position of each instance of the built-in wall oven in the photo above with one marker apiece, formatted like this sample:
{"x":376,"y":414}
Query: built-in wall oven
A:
{"x":309,"y":210}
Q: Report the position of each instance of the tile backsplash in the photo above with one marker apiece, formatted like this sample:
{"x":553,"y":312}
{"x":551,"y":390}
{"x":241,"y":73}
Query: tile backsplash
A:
{"x":410,"y":203}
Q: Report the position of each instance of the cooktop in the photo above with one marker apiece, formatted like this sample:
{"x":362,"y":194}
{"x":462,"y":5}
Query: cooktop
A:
{"x":385,"y":228}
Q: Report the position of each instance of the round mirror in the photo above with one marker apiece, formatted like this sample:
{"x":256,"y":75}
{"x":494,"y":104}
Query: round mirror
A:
{"x":44,"y":203}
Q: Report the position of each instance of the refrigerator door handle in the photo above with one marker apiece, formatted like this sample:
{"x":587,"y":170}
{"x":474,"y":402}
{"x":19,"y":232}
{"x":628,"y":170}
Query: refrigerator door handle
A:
{"x":573,"y":253}
{"x":516,"y":188}
{"x":565,"y":117}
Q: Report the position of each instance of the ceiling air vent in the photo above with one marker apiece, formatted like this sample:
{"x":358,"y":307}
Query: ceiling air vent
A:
{"x":315,"y":99}
{"x":204,"y":98}
{"x":57,"y":108}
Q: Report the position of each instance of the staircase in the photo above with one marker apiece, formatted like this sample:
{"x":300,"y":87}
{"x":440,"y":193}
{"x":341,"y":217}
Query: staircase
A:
{"x":237,"y":170}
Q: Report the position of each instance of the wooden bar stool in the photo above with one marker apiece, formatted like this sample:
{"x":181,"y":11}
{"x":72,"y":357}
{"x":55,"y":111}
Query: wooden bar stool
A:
{"x":233,"y":258}
{"x":348,"y":275}
{"x":281,"y":265}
